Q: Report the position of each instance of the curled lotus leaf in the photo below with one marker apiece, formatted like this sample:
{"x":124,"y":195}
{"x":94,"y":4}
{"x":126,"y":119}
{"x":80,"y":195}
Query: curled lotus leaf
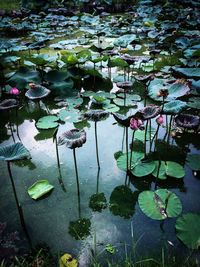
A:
{"x":9,"y":104}
{"x":37,"y":92}
{"x":15,"y":151}
{"x":39,"y":189}
{"x":73,"y":138}
{"x":127,"y":85}
{"x":188,"y":230}
{"x":122,"y":119}
{"x":96,"y":115}
{"x":187,"y":121}
{"x":150,"y":112}
{"x":160,"y":204}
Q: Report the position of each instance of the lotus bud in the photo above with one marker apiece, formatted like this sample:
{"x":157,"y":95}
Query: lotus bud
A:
{"x":136,"y":124}
{"x":14,"y":91}
{"x":160,"y":120}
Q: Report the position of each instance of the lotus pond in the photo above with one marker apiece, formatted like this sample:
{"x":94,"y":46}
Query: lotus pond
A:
{"x":100,"y":125}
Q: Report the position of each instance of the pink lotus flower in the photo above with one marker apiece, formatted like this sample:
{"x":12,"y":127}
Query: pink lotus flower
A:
{"x":136,"y":124}
{"x":160,"y":120}
{"x":14,"y":91}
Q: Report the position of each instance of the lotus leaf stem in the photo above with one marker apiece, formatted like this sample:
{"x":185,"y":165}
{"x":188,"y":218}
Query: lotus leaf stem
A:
{"x":145,"y":136}
{"x":132,"y":149}
{"x":126,"y":148}
{"x":96,"y":142}
{"x":19,"y":208}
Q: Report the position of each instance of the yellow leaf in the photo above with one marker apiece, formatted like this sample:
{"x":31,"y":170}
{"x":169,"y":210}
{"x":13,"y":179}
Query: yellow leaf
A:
{"x":68,"y":261}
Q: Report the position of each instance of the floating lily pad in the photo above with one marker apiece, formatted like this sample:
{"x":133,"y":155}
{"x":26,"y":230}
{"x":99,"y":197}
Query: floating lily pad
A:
{"x":162,"y":170}
{"x":122,"y":201}
{"x":136,"y":157}
{"x":160,"y":204}
{"x":80,"y":229}
{"x":111,"y":108}
{"x":143,"y":168}
{"x":47,"y":122}
{"x":15,"y":151}
{"x":39,"y":189}
{"x":193,"y":160}
{"x":188,"y":230}
{"x":69,"y":115}
{"x":174,"y":169}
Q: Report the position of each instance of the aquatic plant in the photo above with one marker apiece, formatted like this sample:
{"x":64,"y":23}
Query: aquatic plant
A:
{"x":37,"y":92}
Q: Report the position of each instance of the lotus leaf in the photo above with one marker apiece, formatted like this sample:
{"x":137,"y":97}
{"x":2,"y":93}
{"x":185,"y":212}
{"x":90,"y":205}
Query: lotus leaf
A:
{"x":160,"y":204}
{"x":124,"y":102}
{"x":68,"y":261}
{"x":162,"y":170}
{"x":174,"y":169}
{"x":24,"y":76}
{"x":80,"y":229}
{"x":141,"y":169}
{"x":47,"y":122}
{"x":193,"y":160}
{"x":55,"y":76}
{"x":73,"y":138}
{"x":175,"y":90}
{"x":37,"y":92}
{"x":63,"y":87}
{"x":194,"y":102}
{"x":69,"y":115}
{"x":117,"y":62}
{"x":15,"y":151}
{"x":98,"y":202}
{"x":136,"y":157}
{"x":188,"y":72}
{"x":39,"y":189}
{"x":122,"y":201}
{"x":111,"y":108}
{"x":125,"y":40}
{"x":174,"y":107}
{"x":109,"y":248}
{"x":188,"y":230}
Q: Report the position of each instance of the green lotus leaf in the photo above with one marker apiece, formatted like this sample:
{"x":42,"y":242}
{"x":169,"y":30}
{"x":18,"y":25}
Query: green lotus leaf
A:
{"x":23,"y":76}
{"x":124,"y":102}
{"x":193,"y":160}
{"x":122,"y":201}
{"x":174,"y":107}
{"x":160,"y":204}
{"x":117,"y":62}
{"x":55,"y":76}
{"x":69,"y":116}
{"x":47,"y":122}
{"x":69,"y":58}
{"x":16,"y":151}
{"x":80,"y":228}
{"x":109,"y":248}
{"x":111,"y":108}
{"x":188,"y":230}
{"x":162,"y":170}
{"x":39,"y":189}
{"x":74,"y":102}
{"x":188,"y":72}
{"x":194,"y":102}
{"x":98,"y":202}
{"x":143,"y":168}
{"x":63,"y":87}
{"x":41,"y":59}
{"x":174,"y":169}
{"x":125,"y":40}
{"x":136,"y":157}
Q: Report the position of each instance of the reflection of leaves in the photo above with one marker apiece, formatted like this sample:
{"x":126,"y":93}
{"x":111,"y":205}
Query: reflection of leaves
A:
{"x":188,"y":138}
{"x":167,"y":152}
{"x":79,"y":229}
{"x":44,"y":135}
{"x":122,"y":201}
{"x":98,"y":202}
{"x":25,"y":163}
